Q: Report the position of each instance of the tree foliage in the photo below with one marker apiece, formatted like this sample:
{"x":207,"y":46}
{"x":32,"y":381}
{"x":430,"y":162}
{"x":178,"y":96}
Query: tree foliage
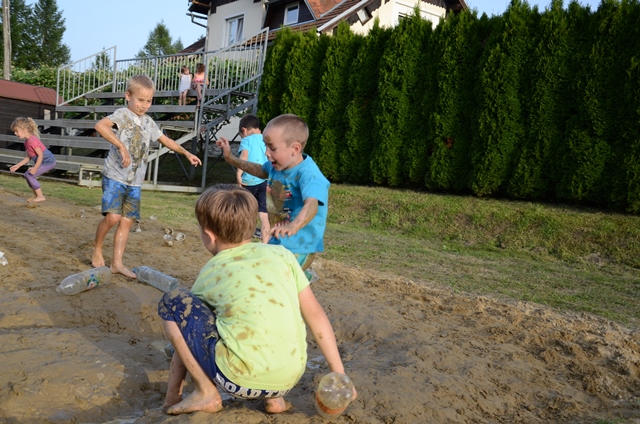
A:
{"x":160,"y":43}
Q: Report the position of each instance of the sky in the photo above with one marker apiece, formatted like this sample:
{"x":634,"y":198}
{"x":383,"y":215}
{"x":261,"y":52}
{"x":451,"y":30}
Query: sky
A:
{"x":127,"y":23}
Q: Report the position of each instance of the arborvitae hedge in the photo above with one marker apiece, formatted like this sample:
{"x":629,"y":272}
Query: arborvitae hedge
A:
{"x":334,"y":96}
{"x":530,"y":104}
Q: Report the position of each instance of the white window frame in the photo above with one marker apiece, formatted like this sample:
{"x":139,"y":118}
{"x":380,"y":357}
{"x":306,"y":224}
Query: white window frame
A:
{"x":286,"y":13}
{"x":232,"y":34}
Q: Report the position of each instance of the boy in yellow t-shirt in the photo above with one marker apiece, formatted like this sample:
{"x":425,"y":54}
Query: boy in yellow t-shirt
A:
{"x":241,"y":328}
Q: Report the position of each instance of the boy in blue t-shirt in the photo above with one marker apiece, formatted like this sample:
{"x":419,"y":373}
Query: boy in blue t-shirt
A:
{"x":298,"y":190}
{"x":252,"y":149}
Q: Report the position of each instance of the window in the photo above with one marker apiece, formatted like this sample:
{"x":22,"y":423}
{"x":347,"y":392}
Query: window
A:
{"x":363,"y":15}
{"x":234,"y":29}
{"x":291,"y":14}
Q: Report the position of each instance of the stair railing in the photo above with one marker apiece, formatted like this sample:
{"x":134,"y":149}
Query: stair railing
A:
{"x":84,"y":76}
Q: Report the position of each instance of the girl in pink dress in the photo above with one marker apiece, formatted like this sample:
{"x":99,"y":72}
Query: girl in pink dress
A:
{"x":44,"y":161}
{"x":198,"y":81}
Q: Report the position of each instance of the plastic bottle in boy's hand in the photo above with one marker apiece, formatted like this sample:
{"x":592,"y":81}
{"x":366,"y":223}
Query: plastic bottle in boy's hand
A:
{"x":85,"y":280}
{"x":333,"y":395}
{"x":155,"y":278}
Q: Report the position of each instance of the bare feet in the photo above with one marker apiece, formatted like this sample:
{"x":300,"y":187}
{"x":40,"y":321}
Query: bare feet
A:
{"x":171,"y":400}
{"x":36,"y":199}
{"x":195,"y":402}
{"x":277,"y":405}
{"x":96,"y":258}
{"x":121,"y":269}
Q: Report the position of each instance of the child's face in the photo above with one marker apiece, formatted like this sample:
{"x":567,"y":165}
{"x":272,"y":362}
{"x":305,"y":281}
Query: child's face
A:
{"x":185,"y":71}
{"x":279,"y":154}
{"x":21,"y":133}
{"x":139,"y":100}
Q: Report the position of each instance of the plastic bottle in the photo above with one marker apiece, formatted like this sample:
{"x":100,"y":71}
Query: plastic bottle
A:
{"x":82,"y":281}
{"x":155,"y":278}
{"x":333,"y":395}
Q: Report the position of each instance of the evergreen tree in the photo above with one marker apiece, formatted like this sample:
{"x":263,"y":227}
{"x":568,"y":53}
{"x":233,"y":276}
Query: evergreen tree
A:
{"x":44,"y":46}
{"x":160,"y":43}
{"x":334,"y":95}
{"x":273,"y":84}
{"x":500,"y":118}
{"x":20,"y":25}
{"x":302,"y":71}
{"x":362,"y":135}
{"x":398,"y":78}
{"x":454,"y":121}
{"x":547,"y":107}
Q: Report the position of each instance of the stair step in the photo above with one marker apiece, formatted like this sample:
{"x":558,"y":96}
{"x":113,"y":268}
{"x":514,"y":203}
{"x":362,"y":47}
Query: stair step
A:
{"x":157,"y":94}
{"x":113,"y":108}
{"x":91,"y":123}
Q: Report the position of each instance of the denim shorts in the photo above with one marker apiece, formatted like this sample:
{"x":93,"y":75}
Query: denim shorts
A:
{"x":120,"y":199}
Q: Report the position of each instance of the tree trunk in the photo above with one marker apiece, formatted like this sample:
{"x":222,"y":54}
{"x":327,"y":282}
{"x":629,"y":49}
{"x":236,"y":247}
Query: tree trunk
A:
{"x":6,"y":27}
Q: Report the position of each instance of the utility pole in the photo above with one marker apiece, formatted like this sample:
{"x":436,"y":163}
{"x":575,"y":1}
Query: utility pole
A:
{"x":6,"y":28}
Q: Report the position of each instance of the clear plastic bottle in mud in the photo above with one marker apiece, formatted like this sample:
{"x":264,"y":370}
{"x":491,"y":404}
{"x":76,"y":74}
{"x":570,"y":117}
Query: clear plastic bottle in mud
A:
{"x":83,"y":281}
{"x":155,"y":278}
{"x":333,"y":395}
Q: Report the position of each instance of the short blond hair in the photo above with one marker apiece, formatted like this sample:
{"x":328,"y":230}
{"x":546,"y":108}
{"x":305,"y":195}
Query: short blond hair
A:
{"x":229,"y":212}
{"x":294,"y":129}
{"x":26,"y":124}
{"x":140,"y":81}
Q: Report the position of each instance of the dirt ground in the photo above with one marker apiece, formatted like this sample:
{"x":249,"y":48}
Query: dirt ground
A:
{"x":417,"y":353}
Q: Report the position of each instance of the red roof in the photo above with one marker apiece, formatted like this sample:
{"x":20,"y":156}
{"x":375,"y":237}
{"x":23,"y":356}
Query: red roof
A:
{"x":27,"y":92}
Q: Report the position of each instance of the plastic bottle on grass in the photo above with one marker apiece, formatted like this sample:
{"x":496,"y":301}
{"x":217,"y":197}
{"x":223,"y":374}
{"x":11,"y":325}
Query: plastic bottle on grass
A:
{"x":83,"y":281}
{"x":333,"y":395}
{"x":155,"y":278}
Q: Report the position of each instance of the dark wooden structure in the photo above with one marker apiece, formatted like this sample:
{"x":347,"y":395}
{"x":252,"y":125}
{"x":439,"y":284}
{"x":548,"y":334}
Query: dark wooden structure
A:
{"x":19,"y":99}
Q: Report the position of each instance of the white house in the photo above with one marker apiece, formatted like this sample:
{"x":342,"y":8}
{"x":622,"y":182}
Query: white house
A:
{"x":231,"y":20}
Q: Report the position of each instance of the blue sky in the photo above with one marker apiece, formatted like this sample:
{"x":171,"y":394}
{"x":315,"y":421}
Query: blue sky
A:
{"x":127,"y":23}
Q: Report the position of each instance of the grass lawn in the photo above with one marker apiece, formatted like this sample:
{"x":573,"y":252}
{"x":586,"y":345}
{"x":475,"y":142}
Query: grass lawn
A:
{"x":576,"y":259}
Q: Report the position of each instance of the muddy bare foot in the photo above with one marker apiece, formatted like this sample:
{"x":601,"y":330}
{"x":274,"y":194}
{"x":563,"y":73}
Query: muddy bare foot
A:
{"x":96,"y":258}
{"x":196,"y":402}
{"x":121,"y":269}
{"x":170,"y":401}
{"x":36,"y":199}
{"x":277,"y":405}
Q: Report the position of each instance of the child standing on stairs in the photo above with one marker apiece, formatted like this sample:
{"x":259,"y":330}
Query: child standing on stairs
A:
{"x":185,"y":85}
{"x":130,"y":130}
{"x":44,"y":161}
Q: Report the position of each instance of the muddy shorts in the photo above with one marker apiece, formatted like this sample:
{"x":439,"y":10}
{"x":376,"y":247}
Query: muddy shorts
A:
{"x":197,"y":323}
{"x":120,"y":199}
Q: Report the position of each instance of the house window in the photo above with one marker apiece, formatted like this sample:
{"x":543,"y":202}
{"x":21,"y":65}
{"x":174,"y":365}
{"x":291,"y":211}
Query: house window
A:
{"x":363,"y":15}
{"x":291,"y":14}
{"x":234,"y":29}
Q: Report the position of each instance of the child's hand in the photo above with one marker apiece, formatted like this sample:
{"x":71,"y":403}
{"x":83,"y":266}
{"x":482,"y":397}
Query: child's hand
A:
{"x":14,"y":168}
{"x":286,"y":230}
{"x":193,"y":159}
{"x":223,"y":143}
{"x":32,"y":171}
{"x":126,"y":157}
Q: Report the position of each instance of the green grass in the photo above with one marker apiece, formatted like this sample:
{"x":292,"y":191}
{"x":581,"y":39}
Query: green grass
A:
{"x":573,"y":259}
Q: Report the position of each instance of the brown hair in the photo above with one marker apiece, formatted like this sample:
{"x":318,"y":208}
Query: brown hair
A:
{"x":200,"y":67}
{"x":139,"y":81}
{"x":228,"y":211}
{"x":294,"y":129}
{"x":26,"y":124}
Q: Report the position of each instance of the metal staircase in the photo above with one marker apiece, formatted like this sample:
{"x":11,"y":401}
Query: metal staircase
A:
{"x":93,"y":87}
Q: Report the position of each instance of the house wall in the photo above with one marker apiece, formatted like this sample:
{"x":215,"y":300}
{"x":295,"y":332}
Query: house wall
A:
{"x":389,"y":14}
{"x":217,"y":23}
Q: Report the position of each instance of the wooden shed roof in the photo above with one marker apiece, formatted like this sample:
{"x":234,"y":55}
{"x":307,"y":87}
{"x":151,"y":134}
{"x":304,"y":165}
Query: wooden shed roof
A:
{"x":27,"y":92}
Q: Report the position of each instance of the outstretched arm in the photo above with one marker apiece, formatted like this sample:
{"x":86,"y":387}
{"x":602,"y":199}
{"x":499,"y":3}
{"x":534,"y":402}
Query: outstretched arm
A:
{"x":249,"y":167}
{"x":244,"y":155}
{"x":23,"y":162}
{"x":172,"y":145}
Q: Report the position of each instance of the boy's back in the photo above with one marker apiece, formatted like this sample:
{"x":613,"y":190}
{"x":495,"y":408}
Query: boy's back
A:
{"x":253,"y":289}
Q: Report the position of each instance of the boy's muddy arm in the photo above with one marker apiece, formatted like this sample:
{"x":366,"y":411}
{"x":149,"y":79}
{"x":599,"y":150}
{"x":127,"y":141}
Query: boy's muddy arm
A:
{"x":308,"y":211}
{"x":104,"y":129}
{"x":320,"y":326}
{"x":254,"y":169}
{"x":172,"y":145}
